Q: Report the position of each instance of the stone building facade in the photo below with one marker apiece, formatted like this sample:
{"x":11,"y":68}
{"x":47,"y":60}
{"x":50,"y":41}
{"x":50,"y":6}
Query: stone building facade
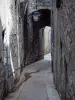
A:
{"x":63,"y":28}
{"x":13,"y":44}
{"x":2,"y":68}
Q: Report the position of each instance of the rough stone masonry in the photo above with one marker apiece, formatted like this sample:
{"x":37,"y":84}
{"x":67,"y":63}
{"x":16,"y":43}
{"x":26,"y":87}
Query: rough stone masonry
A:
{"x":12,"y":45}
{"x":64,"y":48}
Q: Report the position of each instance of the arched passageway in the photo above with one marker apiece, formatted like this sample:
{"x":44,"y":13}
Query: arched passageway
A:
{"x":44,"y":19}
{"x":38,"y":32}
{"x":34,"y":35}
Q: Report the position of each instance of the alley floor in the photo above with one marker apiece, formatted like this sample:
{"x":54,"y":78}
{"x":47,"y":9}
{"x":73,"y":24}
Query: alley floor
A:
{"x":39,"y":85}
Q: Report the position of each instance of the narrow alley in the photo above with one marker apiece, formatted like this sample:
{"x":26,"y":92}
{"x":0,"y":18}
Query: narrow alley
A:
{"x":37,"y":49}
{"x":39,"y":85}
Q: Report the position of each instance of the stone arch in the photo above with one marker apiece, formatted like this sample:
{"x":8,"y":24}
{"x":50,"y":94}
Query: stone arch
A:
{"x":32,"y":34}
{"x":38,"y":30}
{"x":44,"y":18}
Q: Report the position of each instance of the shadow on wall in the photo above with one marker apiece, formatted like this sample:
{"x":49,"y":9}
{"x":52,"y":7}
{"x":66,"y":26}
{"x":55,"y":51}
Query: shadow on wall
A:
{"x":3,"y":83}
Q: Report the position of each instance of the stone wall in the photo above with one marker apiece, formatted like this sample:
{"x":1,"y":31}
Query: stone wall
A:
{"x":12,"y":47}
{"x":23,"y":31}
{"x":47,"y":40}
{"x":39,"y":4}
{"x":13,"y":39}
{"x":2,"y":68}
{"x":64,"y":49}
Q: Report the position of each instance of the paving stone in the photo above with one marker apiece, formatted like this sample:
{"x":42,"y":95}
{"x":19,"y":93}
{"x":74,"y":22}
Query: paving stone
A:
{"x":39,"y":86}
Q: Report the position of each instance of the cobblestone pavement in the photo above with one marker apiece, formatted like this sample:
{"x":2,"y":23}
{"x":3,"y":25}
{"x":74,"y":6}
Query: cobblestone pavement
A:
{"x":39,"y":86}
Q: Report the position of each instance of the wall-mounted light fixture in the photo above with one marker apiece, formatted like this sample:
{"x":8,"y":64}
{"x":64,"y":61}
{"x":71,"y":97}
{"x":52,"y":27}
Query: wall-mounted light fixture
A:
{"x":36,"y":15}
{"x":58,"y":3}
